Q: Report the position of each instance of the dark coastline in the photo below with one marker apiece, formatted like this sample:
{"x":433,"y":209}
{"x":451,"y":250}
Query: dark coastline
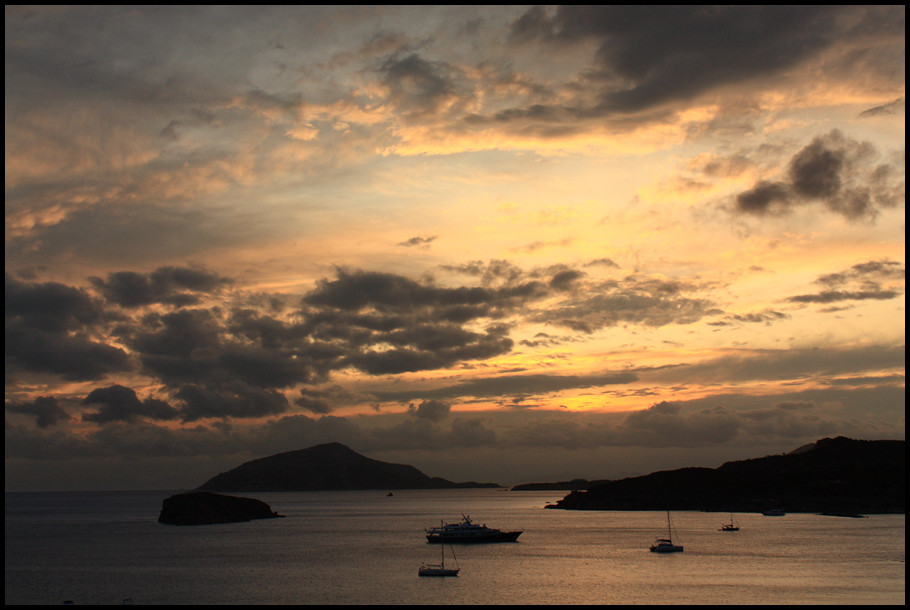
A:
{"x":835,"y":476}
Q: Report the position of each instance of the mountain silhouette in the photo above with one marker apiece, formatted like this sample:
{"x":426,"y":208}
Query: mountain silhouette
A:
{"x":833,"y":475}
{"x":331,"y":466}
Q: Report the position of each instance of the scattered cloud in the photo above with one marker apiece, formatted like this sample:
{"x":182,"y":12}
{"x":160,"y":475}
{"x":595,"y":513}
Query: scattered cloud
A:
{"x":841,"y":173}
{"x":420,"y":242}
{"x":878,"y":280}
{"x":890,"y":108}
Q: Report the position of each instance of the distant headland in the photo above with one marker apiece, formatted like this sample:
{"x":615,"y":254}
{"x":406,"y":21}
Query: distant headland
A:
{"x":833,"y":476}
{"x":573,"y":485}
{"x":327,"y":467}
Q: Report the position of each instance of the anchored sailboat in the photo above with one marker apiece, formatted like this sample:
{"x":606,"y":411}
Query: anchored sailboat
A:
{"x":729,"y":527}
{"x":439,"y":569}
{"x":665,"y":545}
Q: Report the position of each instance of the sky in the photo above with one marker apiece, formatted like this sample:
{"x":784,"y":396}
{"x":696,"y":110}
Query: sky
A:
{"x":503,"y":244}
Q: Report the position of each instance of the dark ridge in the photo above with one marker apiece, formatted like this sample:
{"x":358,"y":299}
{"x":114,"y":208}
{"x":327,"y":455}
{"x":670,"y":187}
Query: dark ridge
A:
{"x":834,"y":475}
{"x":327,"y":467}
{"x":574,"y":484}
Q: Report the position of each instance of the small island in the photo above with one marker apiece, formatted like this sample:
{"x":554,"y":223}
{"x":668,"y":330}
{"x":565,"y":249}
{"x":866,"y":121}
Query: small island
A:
{"x":205,"y":508}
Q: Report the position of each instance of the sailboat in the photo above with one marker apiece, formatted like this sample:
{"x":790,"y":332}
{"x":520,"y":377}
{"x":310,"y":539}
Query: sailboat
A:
{"x":439,"y":569}
{"x":665,"y":545}
{"x":729,"y":527}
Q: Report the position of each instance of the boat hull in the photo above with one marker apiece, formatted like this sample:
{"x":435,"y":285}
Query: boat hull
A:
{"x":454,"y":539}
{"x":666,"y":549}
{"x":437,"y":572}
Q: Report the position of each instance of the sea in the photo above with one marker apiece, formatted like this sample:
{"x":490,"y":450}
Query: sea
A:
{"x":365,"y":547}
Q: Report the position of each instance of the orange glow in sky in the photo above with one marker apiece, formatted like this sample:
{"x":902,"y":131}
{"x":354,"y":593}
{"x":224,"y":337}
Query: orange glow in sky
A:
{"x":237,"y":231}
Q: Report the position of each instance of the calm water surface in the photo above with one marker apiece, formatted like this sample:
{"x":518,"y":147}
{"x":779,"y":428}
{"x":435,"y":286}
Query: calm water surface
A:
{"x":365,"y":548}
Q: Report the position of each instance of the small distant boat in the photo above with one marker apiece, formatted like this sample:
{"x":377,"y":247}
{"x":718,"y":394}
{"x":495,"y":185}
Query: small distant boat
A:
{"x":468,"y":532}
{"x":439,"y":569}
{"x":389,"y":495}
{"x":729,"y":527}
{"x":774,"y":512}
{"x":665,"y":545}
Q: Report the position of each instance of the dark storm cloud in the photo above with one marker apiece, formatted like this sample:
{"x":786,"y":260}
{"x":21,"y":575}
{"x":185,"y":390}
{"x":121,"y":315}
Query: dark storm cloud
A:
{"x":432,"y":410}
{"x":314,"y":404}
{"x":391,"y":324}
{"x":233,"y":363}
{"x":649,"y":56}
{"x":229,"y":399}
{"x":635,"y":300}
{"x":565,"y":280}
{"x":430,"y":347}
{"x":50,"y":306}
{"x":178,"y":346}
{"x":652,"y":426}
{"x":236,"y":363}
{"x":119,"y":403}
{"x":74,"y":356}
{"x":195,"y":346}
{"x":420,"y":87}
{"x":53,"y":328}
{"x":356,"y":290}
{"x":764,"y":198}
{"x":264,"y":329}
{"x":169,"y":285}
{"x":216,"y":362}
{"x":841,"y":173}
{"x":45,"y":409}
{"x":324,"y":401}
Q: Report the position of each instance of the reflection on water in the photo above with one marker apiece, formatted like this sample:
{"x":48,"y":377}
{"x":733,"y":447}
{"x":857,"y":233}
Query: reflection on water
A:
{"x":365,"y":548}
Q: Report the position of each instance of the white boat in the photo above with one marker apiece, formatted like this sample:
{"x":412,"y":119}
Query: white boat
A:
{"x":665,"y":545}
{"x":729,"y":527}
{"x":468,"y":532}
{"x":440,"y":569}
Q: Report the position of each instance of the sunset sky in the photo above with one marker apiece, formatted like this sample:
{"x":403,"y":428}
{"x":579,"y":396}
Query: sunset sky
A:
{"x":497,"y":243}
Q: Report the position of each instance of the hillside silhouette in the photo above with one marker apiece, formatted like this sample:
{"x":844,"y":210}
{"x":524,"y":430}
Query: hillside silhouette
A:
{"x":331,"y":466}
{"x":834,"y":475}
